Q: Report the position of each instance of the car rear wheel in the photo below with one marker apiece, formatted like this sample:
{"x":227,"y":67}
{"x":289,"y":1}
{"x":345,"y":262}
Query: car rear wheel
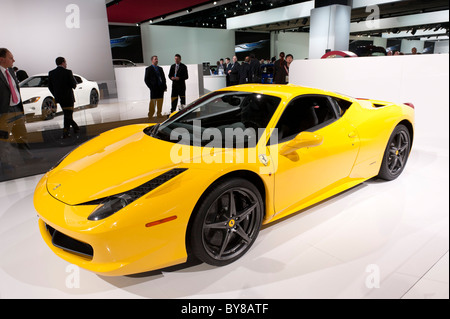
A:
{"x":396,"y":154}
{"x":48,"y":109}
{"x":227,"y":222}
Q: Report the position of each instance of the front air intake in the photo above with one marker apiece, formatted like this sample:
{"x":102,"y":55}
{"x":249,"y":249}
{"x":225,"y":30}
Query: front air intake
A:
{"x":70,"y":244}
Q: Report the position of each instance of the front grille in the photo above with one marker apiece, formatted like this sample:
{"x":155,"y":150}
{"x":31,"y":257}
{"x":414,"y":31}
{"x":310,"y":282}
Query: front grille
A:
{"x":70,"y":244}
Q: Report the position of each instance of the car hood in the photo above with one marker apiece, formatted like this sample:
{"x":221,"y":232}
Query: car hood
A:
{"x":108,"y":165}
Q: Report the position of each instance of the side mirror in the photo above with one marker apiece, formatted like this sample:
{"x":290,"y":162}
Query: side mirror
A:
{"x":304,"y":139}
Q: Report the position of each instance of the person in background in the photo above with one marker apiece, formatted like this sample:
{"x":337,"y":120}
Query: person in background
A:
{"x":12,"y":119}
{"x":155,"y":80}
{"x":244,"y":71}
{"x":280,"y":70}
{"x":289,"y":59}
{"x":233,"y":71}
{"x":21,"y":74}
{"x":227,"y":65}
{"x":255,"y":73}
{"x":220,"y":67}
{"x":61,"y":84}
{"x":178,"y":74}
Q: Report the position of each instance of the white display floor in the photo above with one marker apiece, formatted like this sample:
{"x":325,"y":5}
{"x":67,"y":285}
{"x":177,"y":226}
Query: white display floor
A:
{"x":378,"y":240}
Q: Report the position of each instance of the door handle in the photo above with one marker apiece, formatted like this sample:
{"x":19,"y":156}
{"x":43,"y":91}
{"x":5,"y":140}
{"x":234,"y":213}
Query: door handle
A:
{"x":352,"y":134}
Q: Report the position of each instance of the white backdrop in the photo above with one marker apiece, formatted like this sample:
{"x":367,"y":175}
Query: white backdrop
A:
{"x":37,"y":32}
{"x":420,"y":79}
{"x":195,"y":45}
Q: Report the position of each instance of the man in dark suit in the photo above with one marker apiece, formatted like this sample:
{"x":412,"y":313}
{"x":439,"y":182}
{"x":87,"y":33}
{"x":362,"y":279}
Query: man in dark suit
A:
{"x":178,"y":74}
{"x":156,"y":82}
{"x":255,"y":70}
{"x":12,"y":121}
{"x":61,"y":85}
{"x":244,"y":71}
{"x":233,"y":71}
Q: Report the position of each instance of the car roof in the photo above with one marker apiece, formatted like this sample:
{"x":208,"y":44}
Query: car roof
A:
{"x":287,"y":91}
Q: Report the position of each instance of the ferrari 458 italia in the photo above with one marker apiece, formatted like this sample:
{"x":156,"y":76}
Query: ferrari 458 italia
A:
{"x":145,"y":197}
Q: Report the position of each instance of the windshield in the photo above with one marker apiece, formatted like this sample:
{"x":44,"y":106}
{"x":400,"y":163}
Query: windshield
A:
{"x":35,"y":82}
{"x":220,"y":119}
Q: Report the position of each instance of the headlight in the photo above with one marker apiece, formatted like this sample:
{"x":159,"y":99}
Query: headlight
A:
{"x":32,"y":100}
{"x":111,"y":205}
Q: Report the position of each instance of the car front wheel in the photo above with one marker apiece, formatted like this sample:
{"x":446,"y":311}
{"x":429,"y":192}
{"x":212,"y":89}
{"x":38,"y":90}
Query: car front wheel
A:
{"x":227,"y":222}
{"x":48,"y":109}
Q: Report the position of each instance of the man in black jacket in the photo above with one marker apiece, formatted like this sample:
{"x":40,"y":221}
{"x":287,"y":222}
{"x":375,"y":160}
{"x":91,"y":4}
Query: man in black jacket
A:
{"x":233,"y":71}
{"x":61,"y":85}
{"x":178,"y":74}
{"x":156,"y":82}
{"x":255,"y":70}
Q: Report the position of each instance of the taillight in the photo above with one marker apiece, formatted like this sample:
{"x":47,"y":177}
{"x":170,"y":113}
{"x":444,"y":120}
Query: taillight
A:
{"x":410,"y":105}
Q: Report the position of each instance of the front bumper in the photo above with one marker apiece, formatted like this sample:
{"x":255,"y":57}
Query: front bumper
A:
{"x":123,"y":243}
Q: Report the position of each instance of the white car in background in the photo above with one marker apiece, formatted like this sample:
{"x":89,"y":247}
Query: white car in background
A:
{"x":38,"y":101}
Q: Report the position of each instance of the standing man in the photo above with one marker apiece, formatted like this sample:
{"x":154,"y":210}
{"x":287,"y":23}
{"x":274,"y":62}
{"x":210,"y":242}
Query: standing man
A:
{"x":227,"y":68}
{"x":244,"y":71}
{"x":156,"y":82}
{"x":61,"y":85}
{"x":233,"y":71}
{"x":12,"y":121}
{"x":255,"y":70}
{"x":178,"y":74}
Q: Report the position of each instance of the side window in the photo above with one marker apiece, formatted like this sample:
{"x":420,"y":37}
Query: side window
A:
{"x":305,"y":114}
{"x":78,"y":79}
{"x":343,"y":105}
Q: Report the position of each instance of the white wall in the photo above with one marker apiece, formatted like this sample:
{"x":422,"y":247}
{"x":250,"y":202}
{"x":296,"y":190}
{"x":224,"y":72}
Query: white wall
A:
{"x":420,"y":79}
{"x":195,"y":45}
{"x":37,"y":32}
{"x":441,"y":47}
{"x":294,"y":43}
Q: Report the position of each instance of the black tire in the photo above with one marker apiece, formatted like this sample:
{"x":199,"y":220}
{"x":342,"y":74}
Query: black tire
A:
{"x":396,"y":154}
{"x":48,"y":109}
{"x":227,"y":222}
{"x":93,"y":98}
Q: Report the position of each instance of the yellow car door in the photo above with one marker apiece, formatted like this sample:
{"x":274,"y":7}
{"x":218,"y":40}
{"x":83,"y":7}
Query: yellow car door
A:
{"x":315,"y":156}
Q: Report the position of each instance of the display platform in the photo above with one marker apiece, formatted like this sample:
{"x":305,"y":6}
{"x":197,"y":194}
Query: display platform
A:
{"x":377,"y":240}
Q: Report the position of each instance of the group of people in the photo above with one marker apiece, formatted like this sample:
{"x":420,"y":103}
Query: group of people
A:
{"x":61,"y":84}
{"x":12,"y":117}
{"x":249,"y":71}
{"x":155,"y":80}
{"x":391,"y":52}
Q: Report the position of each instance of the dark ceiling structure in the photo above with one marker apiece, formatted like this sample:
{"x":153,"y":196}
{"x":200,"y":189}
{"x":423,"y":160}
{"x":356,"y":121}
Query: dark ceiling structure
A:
{"x":197,"y":13}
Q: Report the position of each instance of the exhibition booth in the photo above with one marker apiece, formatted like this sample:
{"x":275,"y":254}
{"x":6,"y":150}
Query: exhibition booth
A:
{"x":394,"y":232}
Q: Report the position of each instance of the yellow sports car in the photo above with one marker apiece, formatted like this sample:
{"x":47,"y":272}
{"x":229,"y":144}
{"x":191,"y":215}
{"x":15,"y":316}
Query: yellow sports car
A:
{"x":144,"y":197}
